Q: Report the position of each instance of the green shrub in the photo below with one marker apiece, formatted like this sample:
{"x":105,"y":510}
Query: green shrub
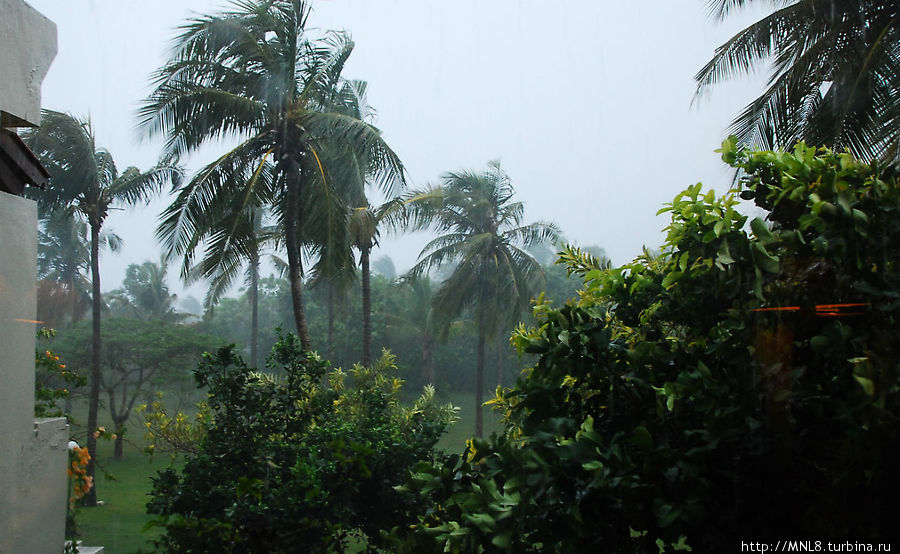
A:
{"x":742,"y":384}
{"x":306,"y":461}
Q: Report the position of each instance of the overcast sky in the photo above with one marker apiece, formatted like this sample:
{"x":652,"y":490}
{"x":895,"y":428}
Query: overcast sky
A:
{"x":588,"y":104}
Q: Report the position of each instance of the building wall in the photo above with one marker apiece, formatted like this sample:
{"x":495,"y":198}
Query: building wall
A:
{"x":27,"y":48}
{"x":34,"y":459}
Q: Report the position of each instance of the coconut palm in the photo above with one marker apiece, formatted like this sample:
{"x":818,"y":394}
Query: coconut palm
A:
{"x":835,"y":69}
{"x":84,"y":181}
{"x":483,"y":234}
{"x":64,"y":261}
{"x":254,"y":74}
{"x":365,"y":226}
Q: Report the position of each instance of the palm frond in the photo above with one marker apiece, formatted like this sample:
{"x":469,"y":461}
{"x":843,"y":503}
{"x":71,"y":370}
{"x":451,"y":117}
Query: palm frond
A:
{"x":848,"y":48}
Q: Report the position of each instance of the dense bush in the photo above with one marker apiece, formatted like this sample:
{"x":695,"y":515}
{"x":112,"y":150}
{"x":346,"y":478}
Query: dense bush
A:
{"x":741,"y":385}
{"x":306,"y":461}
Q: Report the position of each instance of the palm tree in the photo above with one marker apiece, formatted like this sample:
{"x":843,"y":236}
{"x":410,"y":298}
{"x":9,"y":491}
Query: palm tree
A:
{"x":144,"y":294}
{"x":364,"y":232}
{"x":255,"y":74}
{"x":84,"y":181}
{"x":63,"y":265}
{"x":834,"y":78}
{"x":482,"y":233}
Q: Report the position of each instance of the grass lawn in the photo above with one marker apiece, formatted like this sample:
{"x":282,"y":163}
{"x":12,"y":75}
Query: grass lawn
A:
{"x":454,"y":440}
{"x":117,"y":524}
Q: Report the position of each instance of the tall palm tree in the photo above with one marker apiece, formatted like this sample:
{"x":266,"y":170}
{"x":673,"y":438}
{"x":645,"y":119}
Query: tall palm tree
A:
{"x":483,"y":234}
{"x":365,"y":226}
{"x":85,"y":181}
{"x":834,"y":78}
{"x":254,"y":74}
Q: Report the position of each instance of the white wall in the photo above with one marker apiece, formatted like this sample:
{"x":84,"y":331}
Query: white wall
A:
{"x":33,"y":502}
{"x":27,"y":47}
{"x":34,"y":459}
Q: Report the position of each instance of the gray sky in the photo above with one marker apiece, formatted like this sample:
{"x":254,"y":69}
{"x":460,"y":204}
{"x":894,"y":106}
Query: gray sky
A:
{"x":586,"y":103}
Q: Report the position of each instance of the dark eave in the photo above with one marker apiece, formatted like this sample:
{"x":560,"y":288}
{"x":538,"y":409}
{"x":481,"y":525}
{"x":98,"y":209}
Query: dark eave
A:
{"x":19,"y":166}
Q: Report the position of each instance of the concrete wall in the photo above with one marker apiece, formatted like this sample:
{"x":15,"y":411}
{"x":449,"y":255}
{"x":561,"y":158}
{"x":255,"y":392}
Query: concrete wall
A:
{"x":27,"y":47}
{"x":34,"y":460}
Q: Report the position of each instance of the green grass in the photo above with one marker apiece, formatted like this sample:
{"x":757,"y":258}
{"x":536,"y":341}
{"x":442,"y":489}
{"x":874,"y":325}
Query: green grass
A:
{"x":117,"y":524}
{"x":455,"y":438}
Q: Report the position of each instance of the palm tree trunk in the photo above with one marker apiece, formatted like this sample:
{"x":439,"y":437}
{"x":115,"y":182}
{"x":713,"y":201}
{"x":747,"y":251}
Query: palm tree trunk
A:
{"x":330,"y":321}
{"x":479,"y":375}
{"x":254,"y":308}
{"x":291,"y":216}
{"x":366,"y":306}
{"x":90,"y":499}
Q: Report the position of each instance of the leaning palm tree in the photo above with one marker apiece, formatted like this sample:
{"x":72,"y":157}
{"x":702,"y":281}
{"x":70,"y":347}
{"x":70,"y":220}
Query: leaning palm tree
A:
{"x":483,"y":234}
{"x":85,"y":182}
{"x":254,"y":74}
{"x":835,"y":75}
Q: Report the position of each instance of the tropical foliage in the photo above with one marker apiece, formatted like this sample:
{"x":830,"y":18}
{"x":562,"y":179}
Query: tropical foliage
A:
{"x":743,"y":383}
{"x":85,"y":183}
{"x":256,"y":75}
{"x":54,"y":381}
{"x":484,"y":237}
{"x":64,"y":284}
{"x":306,"y":460}
{"x":835,"y":66}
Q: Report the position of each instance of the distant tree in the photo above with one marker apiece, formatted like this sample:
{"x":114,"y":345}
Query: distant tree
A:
{"x":230,"y":319}
{"x":419,"y":318}
{"x":138,"y":356}
{"x":561,"y":285}
{"x":834,"y":73}
{"x":64,"y":260}
{"x":234,"y":238}
{"x":256,"y":73}
{"x":483,"y":233}
{"x":144,"y":293}
{"x":85,"y":183}
{"x":384,"y":265}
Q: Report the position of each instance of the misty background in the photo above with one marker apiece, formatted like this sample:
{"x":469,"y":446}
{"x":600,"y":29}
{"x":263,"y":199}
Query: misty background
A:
{"x":588,"y":105}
